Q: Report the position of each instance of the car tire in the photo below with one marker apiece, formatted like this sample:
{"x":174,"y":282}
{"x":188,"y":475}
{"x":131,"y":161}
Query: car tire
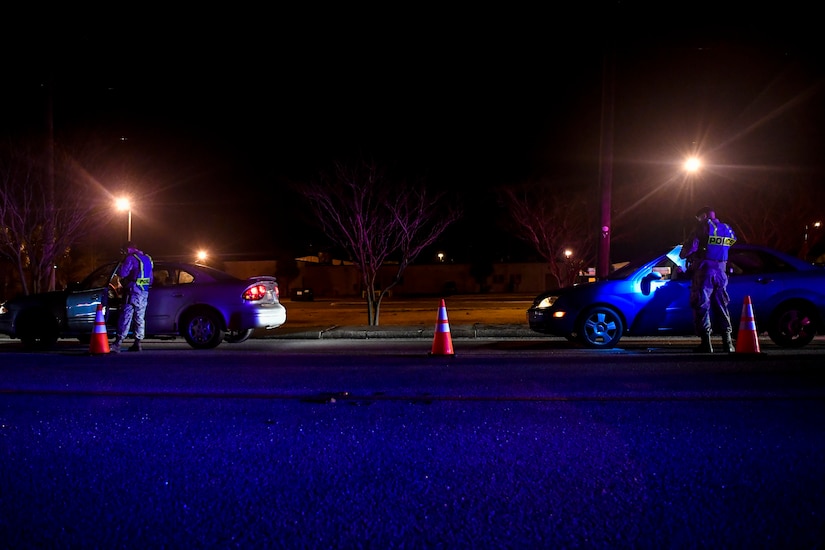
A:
{"x":203,"y":329}
{"x":600,"y":328}
{"x":238,"y":336}
{"x":38,"y":330}
{"x":792,"y":325}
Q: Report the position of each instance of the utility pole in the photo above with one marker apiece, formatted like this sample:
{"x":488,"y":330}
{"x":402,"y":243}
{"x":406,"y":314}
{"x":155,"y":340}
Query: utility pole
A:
{"x":49,"y":237}
{"x":606,"y":163}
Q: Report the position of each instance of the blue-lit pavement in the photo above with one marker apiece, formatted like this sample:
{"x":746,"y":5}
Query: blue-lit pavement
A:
{"x":298,"y":443}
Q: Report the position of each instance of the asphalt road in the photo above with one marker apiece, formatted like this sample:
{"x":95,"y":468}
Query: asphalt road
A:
{"x":294,"y":443}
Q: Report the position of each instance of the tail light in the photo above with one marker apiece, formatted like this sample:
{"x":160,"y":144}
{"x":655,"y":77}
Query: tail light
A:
{"x":254,"y":293}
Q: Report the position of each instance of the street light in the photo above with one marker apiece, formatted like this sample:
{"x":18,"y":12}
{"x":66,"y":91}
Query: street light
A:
{"x":568,"y":257}
{"x":692,"y":164}
{"x":806,"y":247}
{"x":122,"y":204}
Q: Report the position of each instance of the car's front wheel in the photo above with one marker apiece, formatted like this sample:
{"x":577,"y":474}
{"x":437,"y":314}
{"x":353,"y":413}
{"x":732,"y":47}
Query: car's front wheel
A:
{"x":792,"y":325}
{"x":600,"y":328}
{"x":203,"y":329}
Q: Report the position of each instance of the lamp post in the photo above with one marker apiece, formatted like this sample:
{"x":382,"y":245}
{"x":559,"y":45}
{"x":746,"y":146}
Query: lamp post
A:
{"x":806,"y":247}
{"x":125,"y":204}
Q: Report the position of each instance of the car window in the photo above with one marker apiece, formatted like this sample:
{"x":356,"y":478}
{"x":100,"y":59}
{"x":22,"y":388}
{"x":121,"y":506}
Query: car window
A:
{"x":665,"y":267}
{"x":754,"y":262}
{"x":163,"y":277}
{"x":99,"y":278}
{"x":169,"y":276}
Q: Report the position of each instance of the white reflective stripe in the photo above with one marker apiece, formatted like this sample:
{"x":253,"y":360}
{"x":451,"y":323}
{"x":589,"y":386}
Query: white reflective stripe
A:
{"x":747,"y":324}
{"x":443,"y":325}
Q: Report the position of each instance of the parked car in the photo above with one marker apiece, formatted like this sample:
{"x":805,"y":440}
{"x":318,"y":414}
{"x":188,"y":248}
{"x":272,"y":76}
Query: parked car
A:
{"x":204,"y":305}
{"x":651,"y":298}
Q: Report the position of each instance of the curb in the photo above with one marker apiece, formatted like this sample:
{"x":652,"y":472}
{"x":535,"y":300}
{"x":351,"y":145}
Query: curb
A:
{"x":365,"y":332}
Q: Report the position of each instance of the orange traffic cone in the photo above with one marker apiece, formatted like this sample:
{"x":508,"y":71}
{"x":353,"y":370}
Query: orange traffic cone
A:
{"x":100,"y":340}
{"x":442,"y":341}
{"x":747,"y":341}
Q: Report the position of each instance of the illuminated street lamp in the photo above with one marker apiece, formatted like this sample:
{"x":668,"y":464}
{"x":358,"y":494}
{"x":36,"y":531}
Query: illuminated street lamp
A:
{"x":568,"y":255}
{"x":806,"y":247}
{"x":202,"y":255}
{"x":124,"y":204}
{"x":692,"y":165}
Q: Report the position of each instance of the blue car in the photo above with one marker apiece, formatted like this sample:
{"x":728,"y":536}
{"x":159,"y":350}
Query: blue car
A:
{"x":652,"y":298}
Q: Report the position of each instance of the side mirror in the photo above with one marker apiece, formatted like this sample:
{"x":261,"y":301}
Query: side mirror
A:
{"x":652,"y":276}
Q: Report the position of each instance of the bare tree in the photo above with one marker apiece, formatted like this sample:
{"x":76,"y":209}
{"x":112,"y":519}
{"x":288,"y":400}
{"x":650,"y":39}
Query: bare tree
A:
{"x":376,"y":220}
{"x":40,"y":220}
{"x":552,"y":220}
{"x":775,"y":215}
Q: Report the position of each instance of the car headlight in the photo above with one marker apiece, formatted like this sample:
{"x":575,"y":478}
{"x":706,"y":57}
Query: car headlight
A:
{"x":547,"y":301}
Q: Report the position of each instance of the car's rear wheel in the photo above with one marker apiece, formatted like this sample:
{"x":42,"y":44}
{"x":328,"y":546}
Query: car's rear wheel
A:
{"x":203,"y":329}
{"x":238,"y":336}
{"x":600,"y":328}
{"x":792,"y":325}
{"x":38,"y":330}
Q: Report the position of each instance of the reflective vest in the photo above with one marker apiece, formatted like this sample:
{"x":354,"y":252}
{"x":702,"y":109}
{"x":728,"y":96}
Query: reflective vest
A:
{"x":720,"y":238}
{"x":143,"y":279}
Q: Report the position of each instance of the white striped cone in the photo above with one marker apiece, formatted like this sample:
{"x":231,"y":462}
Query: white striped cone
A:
{"x":99,"y":343}
{"x":747,"y":340}
{"x":442,"y":340}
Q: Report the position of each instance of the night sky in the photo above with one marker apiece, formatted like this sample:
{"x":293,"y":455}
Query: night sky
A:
{"x":207,"y":118}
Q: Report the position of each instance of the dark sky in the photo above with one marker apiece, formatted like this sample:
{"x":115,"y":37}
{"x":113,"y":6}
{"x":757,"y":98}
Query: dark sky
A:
{"x":210,"y":114}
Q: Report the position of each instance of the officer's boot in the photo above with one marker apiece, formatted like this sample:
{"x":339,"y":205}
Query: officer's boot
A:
{"x":136,"y":346}
{"x":727,"y":343}
{"x":705,"y":346}
{"x":115,"y":347}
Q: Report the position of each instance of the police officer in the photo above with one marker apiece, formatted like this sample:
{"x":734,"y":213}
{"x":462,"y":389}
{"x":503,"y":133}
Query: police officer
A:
{"x":706,"y":250}
{"x":136,"y":277}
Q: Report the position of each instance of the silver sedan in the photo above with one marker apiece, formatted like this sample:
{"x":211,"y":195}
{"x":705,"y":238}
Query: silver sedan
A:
{"x":204,"y":305}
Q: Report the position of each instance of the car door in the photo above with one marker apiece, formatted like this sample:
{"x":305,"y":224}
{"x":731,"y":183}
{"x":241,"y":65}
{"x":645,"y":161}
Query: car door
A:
{"x":664,"y":298}
{"x":82,"y":300}
{"x":167,"y":298}
{"x":756,"y":274}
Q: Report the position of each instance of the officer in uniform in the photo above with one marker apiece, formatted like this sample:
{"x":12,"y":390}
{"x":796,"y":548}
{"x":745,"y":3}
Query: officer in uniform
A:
{"x":136,"y":277}
{"x":706,"y":250}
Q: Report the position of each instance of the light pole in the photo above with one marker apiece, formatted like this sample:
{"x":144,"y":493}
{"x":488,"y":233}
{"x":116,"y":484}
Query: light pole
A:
{"x":124,"y":204}
{"x":806,"y":247}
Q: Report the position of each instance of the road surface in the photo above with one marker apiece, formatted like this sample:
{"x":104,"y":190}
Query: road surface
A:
{"x":375,"y":444}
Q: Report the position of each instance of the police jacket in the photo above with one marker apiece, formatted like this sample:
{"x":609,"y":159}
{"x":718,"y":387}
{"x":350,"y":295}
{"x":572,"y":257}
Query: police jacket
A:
{"x":136,"y":271}
{"x":710,"y":241}
{"x":719,"y":239}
